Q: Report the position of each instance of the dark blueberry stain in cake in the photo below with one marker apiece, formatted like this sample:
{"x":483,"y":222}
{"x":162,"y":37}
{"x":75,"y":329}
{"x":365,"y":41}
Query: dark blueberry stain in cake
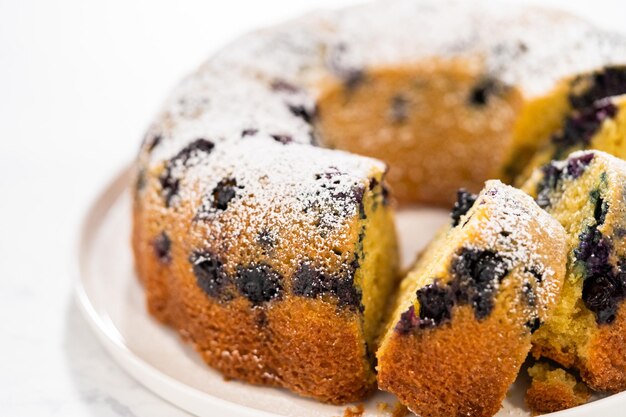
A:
{"x":476,"y":273}
{"x":552,"y":174}
{"x":533,"y":325}
{"x":162,"y":246}
{"x":483,"y":90}
{"x":610,"y":81}
{"x":311,"y":282}
{"x":351,"y":77}
{"x":593,"y":251}
{"x":224,"y":192}
{"x":306,"y":114}
{"x":249,"y":132}
{"x":601,"y":294}
{"x":581,"y":125}
{"x":284,"y":86}
{"x":408,"y":321}
{"x":436,"y":301}
{"x":169,"y":183}
{"x":464,"y":202}
{"x":210,"y":274}
{"x":600,"y":208}
{"x":576,"y":166}
{"x":603,"y":285}
{"x":399,"y":109}
{"x":169,"y":186}
{"x":380,"y":188}
{"x":259,"y":283}
{"x":284,"y":139}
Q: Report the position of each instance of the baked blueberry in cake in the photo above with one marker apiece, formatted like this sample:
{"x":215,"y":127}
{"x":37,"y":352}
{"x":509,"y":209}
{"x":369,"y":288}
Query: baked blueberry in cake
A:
{"x":464,"y":318}
{"x":587,"y":330}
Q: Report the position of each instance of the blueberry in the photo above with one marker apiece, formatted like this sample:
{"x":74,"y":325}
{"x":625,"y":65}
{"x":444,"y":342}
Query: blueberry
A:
{"x":302,"y":112}
{"x":312,"y":282}
{"x":533,"y":324}
{"x":284,"y":139}
{"x":599,"y":296}
{"x":552,"y":174}
{"x":223,"y":193}
{"x":162,"y":246}
{"x":483,"y":90}
{"x":170,"y":185}
{"x":258,"y":283}
{"x":210,"y":274}
{"x":249,"y":132}
{"x":610,"y":81}
{"x":408,"y":321}
{"x":593,"y":251}
{"x":464,"y":202}
{"x":576,"y":166}
{"x":600,"y":208}
{"x":476,"y":273}
{"x":579,"y":128}
{"x":436,"y":302}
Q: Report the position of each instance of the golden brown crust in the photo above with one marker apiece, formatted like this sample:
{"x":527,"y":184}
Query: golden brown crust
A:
{"x":465,"y":367}
{"x":604,"y":368}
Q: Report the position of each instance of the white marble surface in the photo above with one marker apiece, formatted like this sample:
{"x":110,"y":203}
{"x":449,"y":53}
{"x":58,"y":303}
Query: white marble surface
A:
{"x":79,"y":81}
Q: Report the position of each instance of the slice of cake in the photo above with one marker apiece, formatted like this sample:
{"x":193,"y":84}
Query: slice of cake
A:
{"x":554,"y":389}
{"x":465,"y":314}
{"x":596,"y":120}
{"x":587,"y":331}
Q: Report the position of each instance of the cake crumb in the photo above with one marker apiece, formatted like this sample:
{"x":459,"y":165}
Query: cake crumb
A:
{"x":354,"y":411}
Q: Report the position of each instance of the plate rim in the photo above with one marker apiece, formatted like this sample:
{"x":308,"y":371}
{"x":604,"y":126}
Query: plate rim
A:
{"x":168,"y":388}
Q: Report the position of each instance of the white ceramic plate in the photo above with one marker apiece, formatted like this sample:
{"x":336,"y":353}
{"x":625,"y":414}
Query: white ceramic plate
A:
{"x":113,"y":303}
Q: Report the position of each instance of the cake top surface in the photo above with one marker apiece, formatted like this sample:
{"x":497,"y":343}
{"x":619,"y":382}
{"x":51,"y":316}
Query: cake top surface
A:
{"x":513,"y":43}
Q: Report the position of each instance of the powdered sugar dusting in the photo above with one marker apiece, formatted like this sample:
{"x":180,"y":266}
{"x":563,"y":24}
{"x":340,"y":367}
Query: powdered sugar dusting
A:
{"x":526,"y":237}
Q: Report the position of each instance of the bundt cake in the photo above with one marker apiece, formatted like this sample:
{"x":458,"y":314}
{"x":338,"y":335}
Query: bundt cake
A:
{"x":269,"y":247}
{"x":463,"y":324}
{"x":554,"y":389}
{"x":587,"y":330}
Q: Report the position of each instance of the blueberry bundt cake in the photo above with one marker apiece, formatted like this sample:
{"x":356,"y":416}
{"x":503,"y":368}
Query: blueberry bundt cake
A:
{"x":270,"y":248}
{"x":554,"y":389}
{"x":465,"y":314}
{"x":587,"y":330}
